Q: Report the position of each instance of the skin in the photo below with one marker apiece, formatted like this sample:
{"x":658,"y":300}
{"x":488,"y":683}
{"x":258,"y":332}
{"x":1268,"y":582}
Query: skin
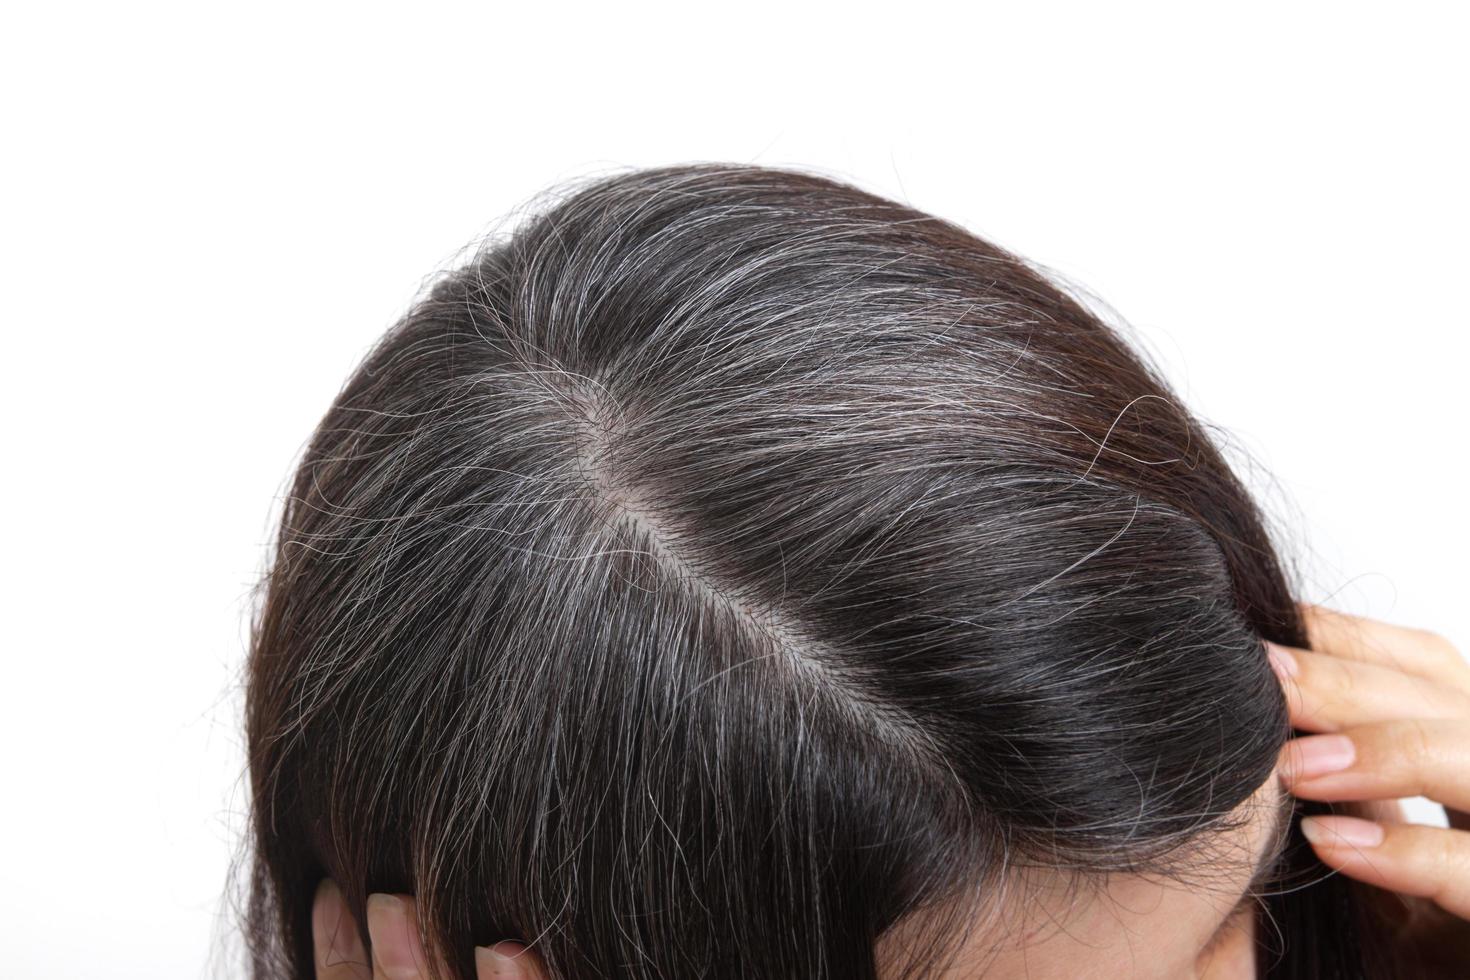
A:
{"x":1129,"y":925}
{"x":1388,"y":712}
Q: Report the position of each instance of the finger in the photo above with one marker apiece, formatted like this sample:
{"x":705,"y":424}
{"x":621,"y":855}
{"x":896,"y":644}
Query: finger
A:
{"x":509,"y":961}
{"x":340,"y":954}
{"x":1381,"y":811}
{"x":398,"y":952}
{"x":1386,"y":760}
{"x":1327,"y":694}
{"x":1430,"y":862}
{"x":1404,"y":648}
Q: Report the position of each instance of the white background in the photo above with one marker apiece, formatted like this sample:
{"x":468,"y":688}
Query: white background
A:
{"x":207,"y":214}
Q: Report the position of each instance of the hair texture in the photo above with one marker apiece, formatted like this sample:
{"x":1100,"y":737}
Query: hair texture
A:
{"x":728,"y":565}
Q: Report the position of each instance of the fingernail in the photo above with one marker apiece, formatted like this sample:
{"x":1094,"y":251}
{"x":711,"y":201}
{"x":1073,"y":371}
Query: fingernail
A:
{"x":393,"y":939}
{"x":499,"y":960}
{"x":1336,"y":832}
{"x":1281,"y":660}
{"x":1316,"y":755}
{"x":337,"y":941}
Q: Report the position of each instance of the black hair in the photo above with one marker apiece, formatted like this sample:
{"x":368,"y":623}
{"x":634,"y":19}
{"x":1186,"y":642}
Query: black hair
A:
{"x":729,"y":565}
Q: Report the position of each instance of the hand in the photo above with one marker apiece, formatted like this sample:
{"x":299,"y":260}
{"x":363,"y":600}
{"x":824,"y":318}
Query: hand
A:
{"x":398,"y":953}
{"x":1392,"y":709}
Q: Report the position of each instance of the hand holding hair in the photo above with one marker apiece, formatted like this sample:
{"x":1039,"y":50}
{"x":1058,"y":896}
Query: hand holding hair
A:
{"x":1389,"y":709}
{"x":398,"y":953}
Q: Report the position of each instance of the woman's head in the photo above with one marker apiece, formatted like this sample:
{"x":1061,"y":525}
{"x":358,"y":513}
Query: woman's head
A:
{"x":732,"y":573}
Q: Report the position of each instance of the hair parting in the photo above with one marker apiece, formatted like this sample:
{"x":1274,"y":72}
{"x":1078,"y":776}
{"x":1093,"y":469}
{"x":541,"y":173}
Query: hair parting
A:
{"x":728,"y":572}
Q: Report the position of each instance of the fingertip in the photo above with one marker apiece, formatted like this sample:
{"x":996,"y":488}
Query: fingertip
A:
{"x":397,"y":949}
{"x":334,"y":932}
{"x":507,"y":960}
{"x":1338,"y":833}
{"x":1282,"y":661}
{"x":1310,"y":757}
{"x":326,"y":902}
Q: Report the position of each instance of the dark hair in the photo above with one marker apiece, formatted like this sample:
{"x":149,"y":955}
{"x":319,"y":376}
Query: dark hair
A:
{"x":730,"y":564}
